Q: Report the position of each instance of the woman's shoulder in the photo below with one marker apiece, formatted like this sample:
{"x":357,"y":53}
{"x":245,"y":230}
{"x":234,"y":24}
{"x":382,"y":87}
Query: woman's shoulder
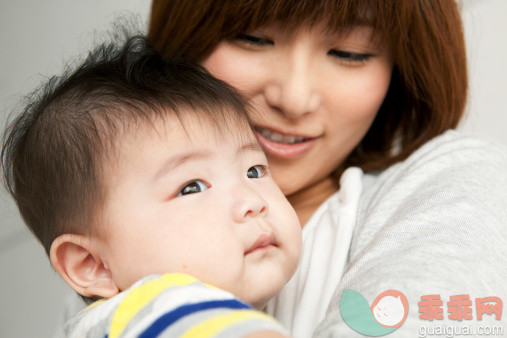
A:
{"x":430,"y":223}
{"x":454,"y":180}
{"x":461,"y":147}
{"x":450,"y":157}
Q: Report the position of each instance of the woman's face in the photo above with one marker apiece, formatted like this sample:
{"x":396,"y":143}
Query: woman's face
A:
{"x":316,"y":94}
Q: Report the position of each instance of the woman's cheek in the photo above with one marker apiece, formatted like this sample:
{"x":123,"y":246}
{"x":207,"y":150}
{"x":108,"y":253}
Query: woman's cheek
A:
{"x":378,"y":87}
{"x":365,"y":95}
{"x":229,"y":64}
{"x":219,"y":61}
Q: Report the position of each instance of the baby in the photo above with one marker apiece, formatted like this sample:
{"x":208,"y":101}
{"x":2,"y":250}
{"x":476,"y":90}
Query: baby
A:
{"x":144,"y":182}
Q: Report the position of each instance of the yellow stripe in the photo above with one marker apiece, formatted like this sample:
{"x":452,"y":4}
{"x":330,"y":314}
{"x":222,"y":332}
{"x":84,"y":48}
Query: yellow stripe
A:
{"x":214,"y":325}
{"x":95,"y":303}
{"x":138,"y":297}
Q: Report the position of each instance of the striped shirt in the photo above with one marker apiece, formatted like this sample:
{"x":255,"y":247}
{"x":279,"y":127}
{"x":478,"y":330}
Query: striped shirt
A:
{"x":170,"y":305}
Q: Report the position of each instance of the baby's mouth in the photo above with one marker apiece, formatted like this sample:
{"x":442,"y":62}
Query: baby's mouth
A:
{"x":262,"y":242}
{"x":274,"y":136}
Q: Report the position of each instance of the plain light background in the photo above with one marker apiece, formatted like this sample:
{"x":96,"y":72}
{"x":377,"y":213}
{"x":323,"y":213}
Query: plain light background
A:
{"x":38,"y":36}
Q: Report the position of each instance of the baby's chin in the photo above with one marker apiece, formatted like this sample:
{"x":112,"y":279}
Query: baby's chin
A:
{"x":259,"y":301}
{"x":261,"y":304}
{"x":264,"y":285}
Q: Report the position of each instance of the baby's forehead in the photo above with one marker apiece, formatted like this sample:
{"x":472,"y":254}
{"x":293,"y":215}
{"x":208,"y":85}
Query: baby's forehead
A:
{"x":216,"y":122}
{"x":195,"y":126}
{"x":150,"y":151}
{"x":184,"y":130}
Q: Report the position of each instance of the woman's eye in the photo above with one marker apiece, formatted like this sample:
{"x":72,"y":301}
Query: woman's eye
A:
{"x":193,"y":187}
{"x":349,"y":56}
{"x":254,"y":40}
{"x":257,"y":171}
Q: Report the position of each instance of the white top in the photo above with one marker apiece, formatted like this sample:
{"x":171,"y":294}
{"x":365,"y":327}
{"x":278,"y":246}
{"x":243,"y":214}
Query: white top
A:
{"x":435,"y":223}
{"x":302,"y":304}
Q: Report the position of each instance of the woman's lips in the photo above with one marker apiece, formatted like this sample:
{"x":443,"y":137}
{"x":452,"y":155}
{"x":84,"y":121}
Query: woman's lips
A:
{"x":285,"y":146}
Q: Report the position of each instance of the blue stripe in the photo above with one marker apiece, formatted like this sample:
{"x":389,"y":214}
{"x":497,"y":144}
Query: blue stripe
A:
{"x":169,"y":318}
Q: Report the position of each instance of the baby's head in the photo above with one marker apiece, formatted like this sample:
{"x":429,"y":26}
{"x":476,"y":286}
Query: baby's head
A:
{"x":132,"y":165}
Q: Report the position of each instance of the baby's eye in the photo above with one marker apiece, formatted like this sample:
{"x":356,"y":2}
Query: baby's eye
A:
{"x":349,"y":56}
{"x":254,"y":40}
{"x":257,"y":171}
{"x":193,"y":187}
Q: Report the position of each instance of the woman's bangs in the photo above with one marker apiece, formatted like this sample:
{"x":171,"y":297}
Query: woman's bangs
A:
{"x":335,"y":15}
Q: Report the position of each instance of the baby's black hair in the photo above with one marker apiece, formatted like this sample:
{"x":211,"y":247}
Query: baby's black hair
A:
{"x":53,"y":152}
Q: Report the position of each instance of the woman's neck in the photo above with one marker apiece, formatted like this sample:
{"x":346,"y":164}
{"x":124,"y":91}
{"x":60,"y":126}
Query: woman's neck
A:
{"x":307,"y":200}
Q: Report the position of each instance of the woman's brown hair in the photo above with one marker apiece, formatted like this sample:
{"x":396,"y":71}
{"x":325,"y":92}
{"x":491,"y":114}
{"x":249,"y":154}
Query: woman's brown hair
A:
{"x":428,"y":89}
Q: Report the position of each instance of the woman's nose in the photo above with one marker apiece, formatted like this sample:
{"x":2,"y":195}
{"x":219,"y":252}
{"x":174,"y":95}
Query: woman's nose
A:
{"x":247,"y":204}
{"x":293,"y":88}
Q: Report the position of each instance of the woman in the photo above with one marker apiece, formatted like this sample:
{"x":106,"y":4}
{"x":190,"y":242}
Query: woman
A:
{"x":376,"y":85}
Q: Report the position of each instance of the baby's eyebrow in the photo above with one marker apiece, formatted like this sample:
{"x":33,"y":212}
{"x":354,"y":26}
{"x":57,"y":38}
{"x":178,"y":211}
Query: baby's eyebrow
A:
{"x":179,"y":159}
{"x":252,"y":146}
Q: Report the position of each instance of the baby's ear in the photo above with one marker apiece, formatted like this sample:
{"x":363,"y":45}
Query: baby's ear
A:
{"x":73,"y":257}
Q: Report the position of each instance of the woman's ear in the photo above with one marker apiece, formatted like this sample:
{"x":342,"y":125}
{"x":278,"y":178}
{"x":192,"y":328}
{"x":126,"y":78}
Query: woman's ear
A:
{"x":74,"y":259}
